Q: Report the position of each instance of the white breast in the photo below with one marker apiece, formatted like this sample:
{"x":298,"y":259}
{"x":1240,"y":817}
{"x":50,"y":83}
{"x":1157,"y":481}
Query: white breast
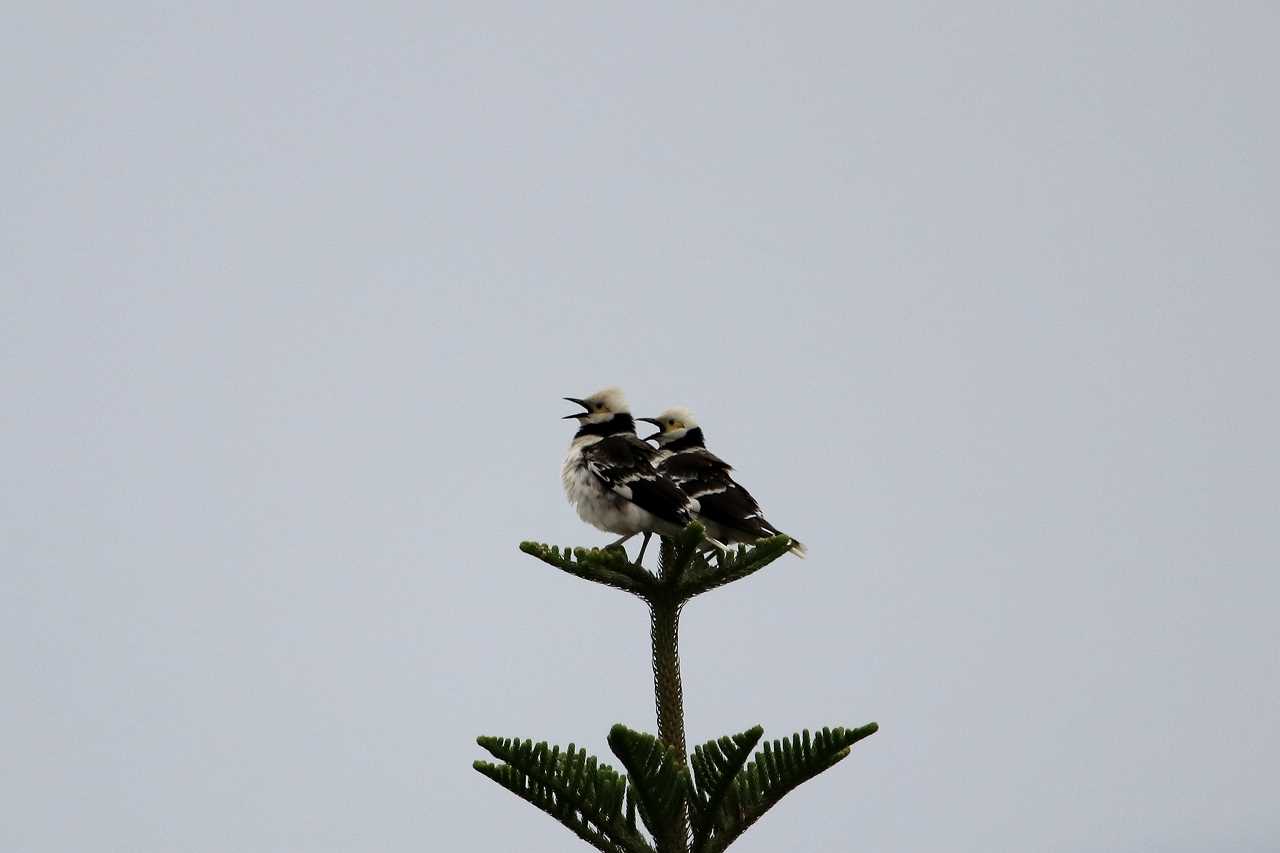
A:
{"x":597,"y":504}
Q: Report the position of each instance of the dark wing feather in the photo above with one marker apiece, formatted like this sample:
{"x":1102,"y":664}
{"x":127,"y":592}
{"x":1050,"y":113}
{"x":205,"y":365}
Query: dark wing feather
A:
{"x":625,"y":465}
{"x":736,"y":509}
{"x":663,"y":498}
{"x":618,"y":456}
{"x":706,"y":478}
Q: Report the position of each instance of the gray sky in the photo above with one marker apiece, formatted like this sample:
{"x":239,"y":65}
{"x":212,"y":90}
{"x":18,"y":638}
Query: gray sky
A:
{"x":981,"y":301}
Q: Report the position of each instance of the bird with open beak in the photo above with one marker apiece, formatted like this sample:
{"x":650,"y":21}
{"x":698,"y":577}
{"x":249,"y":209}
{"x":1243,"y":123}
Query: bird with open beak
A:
{"x":609,"y":474}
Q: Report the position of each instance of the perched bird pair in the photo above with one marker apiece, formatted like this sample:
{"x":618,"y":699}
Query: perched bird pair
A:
{"x":620,"y":484}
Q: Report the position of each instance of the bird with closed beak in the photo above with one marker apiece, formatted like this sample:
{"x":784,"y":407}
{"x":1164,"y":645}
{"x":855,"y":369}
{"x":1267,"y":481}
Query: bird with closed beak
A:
{"x":727,"y":510}
{"x":610,"y":479}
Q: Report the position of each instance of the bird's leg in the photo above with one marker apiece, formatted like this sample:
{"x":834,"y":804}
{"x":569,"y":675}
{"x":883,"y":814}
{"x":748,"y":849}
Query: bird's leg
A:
{"x":643,"y":545}
{"x":718,"y":547}
{"x":618,"y":543}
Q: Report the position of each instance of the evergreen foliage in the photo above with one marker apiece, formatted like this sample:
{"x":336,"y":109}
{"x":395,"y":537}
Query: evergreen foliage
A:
{"x":775,"y":771}
{"x":696,"y":804}
{"x":657,"y":775}
{"x":691,"y":573}
{"x":574,"y":788}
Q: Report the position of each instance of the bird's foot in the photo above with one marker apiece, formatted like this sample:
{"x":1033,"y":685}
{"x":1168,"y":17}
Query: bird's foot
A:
{"x":643,"y":545}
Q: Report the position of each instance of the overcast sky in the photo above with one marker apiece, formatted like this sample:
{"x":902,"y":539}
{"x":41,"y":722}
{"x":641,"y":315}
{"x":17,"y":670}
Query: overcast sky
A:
{"x":981,"y":300}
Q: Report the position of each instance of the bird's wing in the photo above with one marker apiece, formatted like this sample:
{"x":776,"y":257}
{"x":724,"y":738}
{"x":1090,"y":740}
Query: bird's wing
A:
{"x":700,"y":472}
{"x":705,"y":477}
{"x":625,"y":465}
{"x":735,"y":508}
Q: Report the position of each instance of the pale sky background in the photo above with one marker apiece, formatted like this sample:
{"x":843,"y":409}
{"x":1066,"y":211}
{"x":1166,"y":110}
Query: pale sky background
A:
{"x":980,"y":299}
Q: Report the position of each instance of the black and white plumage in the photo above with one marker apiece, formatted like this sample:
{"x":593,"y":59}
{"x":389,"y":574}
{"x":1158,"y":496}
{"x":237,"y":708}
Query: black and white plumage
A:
{"x":610,"y":478}
{"x":727,"y":510}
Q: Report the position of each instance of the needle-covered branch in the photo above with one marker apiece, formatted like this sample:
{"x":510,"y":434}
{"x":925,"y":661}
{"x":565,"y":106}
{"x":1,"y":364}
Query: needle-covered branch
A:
{"x":740,"y":563}
{"x":588,"y":797}
{"x":777,"y":770}
{"x":724,"y":797}
{"x":715,"y":766}
{"x":657,"y":775}
{"x":608,"y":566}
{"x":684,"y":569}
{"x":678,"y":555}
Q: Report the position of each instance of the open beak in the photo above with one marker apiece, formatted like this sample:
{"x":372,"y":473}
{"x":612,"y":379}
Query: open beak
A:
{"x":656,"y":423}
{"x":583,"y":404}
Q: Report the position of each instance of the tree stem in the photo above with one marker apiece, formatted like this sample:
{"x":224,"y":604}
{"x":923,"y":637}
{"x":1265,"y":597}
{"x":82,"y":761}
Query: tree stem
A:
{"x":664,"y":616}
{"x":668,"y":692}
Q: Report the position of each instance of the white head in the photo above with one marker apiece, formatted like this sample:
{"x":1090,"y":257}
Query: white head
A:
{"x":673,"y":425}
{"x":601,"y":406}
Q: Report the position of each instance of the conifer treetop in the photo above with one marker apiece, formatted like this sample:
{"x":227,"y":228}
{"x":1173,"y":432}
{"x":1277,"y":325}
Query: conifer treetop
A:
{"x":665,"y":801}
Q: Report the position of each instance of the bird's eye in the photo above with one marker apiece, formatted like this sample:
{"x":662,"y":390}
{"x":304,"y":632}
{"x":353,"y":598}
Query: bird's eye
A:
{"x":671,"y":423}
{"x":599,"y":405}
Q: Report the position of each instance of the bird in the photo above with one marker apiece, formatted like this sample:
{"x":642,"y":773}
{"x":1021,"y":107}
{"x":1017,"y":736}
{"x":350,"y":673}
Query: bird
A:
{"x":609,"y":475}
{"x":727,"y":510}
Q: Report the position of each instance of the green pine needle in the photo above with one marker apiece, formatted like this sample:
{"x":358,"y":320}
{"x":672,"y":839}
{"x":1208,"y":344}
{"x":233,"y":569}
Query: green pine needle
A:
{"x":715,"y":765}
{"x":658,"y":778}
{"x":684,"y":570}
{"x":777,"y":770}
{"x":586,"y":796}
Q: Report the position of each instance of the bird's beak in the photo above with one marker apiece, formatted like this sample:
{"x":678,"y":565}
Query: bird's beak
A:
{"x":656,"y":423}
{"x":582,"y":403}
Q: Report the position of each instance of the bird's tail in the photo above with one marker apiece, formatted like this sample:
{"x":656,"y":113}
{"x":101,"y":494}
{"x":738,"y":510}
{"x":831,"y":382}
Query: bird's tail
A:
{"x":797,"y":547}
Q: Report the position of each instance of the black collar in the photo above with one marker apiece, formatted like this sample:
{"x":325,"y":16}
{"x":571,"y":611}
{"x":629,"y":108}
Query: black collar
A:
{"x":688,"y":441}
{"x":620,"y":422}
